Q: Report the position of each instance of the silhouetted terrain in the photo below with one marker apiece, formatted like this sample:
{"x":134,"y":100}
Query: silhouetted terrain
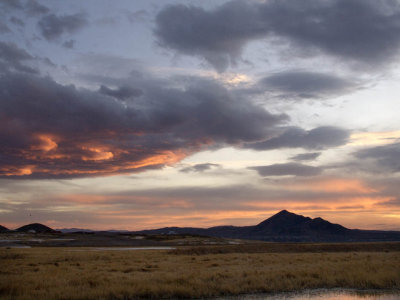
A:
{"x":36,"y":228}
{"x":3,"y":229}
{"x":287,"y":227}
{"x":281,"y":227}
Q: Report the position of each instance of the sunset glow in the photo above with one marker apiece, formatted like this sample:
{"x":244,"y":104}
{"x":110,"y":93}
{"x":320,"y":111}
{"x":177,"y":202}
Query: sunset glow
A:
{"x":199,"y":113}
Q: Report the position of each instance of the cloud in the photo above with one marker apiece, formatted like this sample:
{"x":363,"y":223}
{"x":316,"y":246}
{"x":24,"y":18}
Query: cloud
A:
{"x":53,"y":26}
{"x":14,"y":58}
{"x":17,"y":21}
{"x":199,"y":168}
{"x":137,"y":16}
{"x":34,"y":8}
{"x":4,"y":28}
{"x":385,"y":157}
{"x":218,"y":36}
{"x":12,"y":4}
{"x":295,"y":137}
{"x":364,"y":31}
{"x":306,"y":156}
{"x":294,"y":169}
{"x":65,"y":201}
{"x":303,"y":84}
{"x":31,"y":7}
{"x":121,"y":93}
{"x":69,"y":44}
{"x":49,"y":130}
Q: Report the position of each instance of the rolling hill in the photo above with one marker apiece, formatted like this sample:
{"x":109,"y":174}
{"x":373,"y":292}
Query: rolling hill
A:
{"x":36,"y":228}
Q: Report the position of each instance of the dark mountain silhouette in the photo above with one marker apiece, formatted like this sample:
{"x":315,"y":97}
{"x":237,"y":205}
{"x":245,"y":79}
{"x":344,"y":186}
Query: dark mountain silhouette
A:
{"x":3,"y":229}
{"x":287,"y":227}
{"x":36,"y":228}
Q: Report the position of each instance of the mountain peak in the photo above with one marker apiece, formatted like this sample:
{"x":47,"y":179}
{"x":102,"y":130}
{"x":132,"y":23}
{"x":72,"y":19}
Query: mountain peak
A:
{"x":283,"y":218}
{"x":284,"y":212}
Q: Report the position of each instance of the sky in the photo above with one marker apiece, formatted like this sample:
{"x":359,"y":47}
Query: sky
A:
{"x":145,"y":114}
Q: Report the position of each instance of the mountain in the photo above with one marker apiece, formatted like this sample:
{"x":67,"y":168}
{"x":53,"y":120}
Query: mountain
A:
{"x":3,"y":229}
{"x":287,"y":227}
{"x":36,"y":228}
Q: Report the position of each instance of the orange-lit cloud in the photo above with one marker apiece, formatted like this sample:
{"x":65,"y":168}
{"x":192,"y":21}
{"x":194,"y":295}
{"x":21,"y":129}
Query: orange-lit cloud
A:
{"x":97,"y":154}
{"x":373,"y":138}
{"x":86,"y":160}
{"x":11,"y":171}
{"x":47,"y":143}
{"x":333,"y":185}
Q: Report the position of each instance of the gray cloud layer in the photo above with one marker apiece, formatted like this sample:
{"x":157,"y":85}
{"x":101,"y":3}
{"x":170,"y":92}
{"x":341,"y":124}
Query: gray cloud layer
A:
{"x":364,"y":31}
{"x":303,"y":84}
{"x":199,"y":168}
{"x":14,"y":58}
{"x":295,"y":137}
{"x":306,"y":156}
{"x":294,"y":169}
{"x":387,"y":157}
{"x":121,"y":93}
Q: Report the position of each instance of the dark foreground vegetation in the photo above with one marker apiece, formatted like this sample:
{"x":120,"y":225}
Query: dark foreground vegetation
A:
{"x":194,"y":272}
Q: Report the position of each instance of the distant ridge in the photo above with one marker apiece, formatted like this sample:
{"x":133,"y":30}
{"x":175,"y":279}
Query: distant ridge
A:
{"x":36,"y":228}
{"x":286,"y":226}
{"x":3,"y":229}
{"x":75,"y":230}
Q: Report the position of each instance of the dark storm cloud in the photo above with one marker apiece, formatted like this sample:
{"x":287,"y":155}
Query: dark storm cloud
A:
{"x":199,"y":168}
{"x":49,"y":130}
{"x":363,"y":31}
{"x":294,"y":169}
{"x":14,"y":58}
{"x":295,"y":137}
{"x":53,"y":26}
{"x":385,"y":157}
{"x":301,"y":84}
{"x":122,"y":93}
{"x":306,"y":156}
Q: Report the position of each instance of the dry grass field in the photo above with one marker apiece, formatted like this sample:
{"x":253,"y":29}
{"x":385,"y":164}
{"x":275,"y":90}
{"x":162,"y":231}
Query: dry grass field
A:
{"x":64,"y":273}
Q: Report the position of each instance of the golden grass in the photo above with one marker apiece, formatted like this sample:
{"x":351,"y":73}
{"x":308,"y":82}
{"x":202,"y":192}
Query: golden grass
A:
{"x":61,"y":273}
{"x":256,"y":247}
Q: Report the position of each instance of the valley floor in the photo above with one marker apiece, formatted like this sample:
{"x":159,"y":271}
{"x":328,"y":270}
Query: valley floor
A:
{"x":64,"y":273}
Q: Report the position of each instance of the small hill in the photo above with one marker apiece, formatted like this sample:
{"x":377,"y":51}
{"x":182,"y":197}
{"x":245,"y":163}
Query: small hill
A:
{"x":36,"y":228}
{"x":3,"y":229}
